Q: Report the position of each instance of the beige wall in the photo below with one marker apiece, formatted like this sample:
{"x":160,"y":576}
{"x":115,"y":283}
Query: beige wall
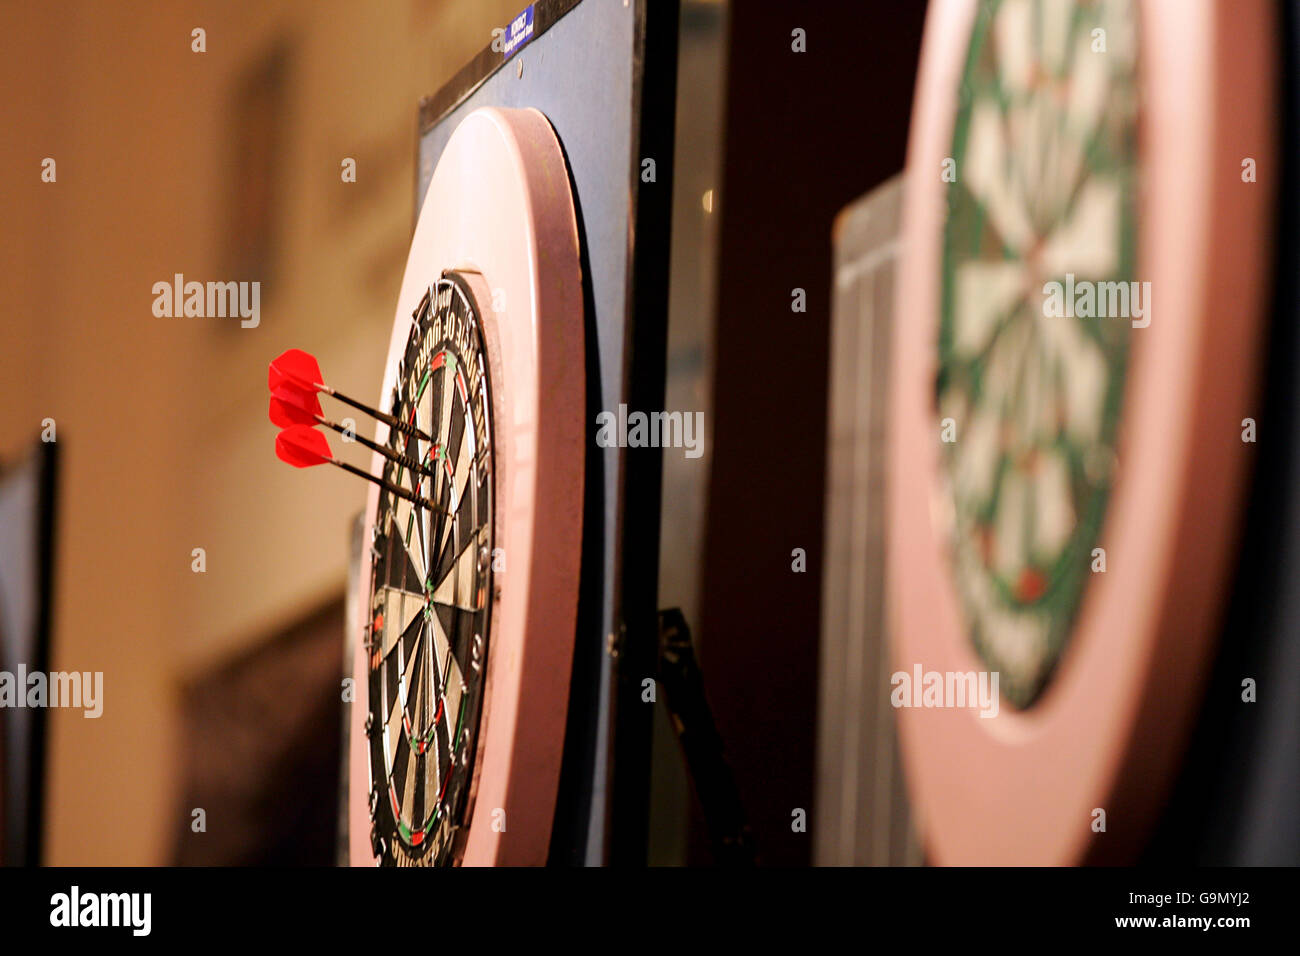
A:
{"x":162,"y":422}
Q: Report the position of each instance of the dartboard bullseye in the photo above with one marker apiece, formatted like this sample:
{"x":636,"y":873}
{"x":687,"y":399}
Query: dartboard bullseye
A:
{"x":432,"y":578}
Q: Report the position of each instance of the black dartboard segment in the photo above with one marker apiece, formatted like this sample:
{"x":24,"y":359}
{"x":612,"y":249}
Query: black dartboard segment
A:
{"x":431,"y":586}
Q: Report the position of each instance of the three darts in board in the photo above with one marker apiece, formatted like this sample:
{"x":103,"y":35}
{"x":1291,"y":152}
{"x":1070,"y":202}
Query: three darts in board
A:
{"x":296,"y":383}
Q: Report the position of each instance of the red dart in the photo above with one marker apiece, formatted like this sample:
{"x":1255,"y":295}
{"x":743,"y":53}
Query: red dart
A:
{"x":303,"y":446}
{"x":296,"y":367}
{"x":290,"y":406}
{"x":296,"y":370}
{"x":286,"y":411}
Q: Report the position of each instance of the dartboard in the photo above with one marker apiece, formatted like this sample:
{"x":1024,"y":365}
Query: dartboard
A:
{"x":462,"y":678}
{"x":1066,"y":478}
{"x":432,"y":575}
{"x":1044,"y":161}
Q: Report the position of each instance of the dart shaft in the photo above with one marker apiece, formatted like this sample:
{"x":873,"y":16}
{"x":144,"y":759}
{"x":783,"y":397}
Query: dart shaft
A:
{"x":391,"y":421}
{"x":388,"y":486}
{"x":404,"y":460}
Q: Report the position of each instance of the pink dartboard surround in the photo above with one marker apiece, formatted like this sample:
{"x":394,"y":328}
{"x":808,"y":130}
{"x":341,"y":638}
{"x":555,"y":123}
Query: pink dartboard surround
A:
{"x":499,"y":210}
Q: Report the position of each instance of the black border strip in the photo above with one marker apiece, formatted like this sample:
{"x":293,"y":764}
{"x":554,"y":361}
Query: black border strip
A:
{"x":636,"y":596}
{"x":45,"y":531}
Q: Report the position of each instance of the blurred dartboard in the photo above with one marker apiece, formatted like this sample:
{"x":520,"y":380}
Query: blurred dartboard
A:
{"x":1082,"y":293}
